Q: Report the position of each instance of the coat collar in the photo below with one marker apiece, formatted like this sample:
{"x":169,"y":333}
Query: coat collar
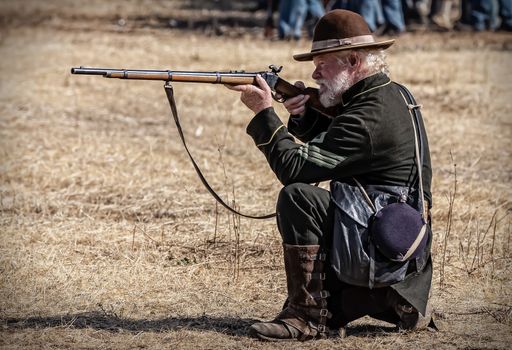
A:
{"x":363,"y":86}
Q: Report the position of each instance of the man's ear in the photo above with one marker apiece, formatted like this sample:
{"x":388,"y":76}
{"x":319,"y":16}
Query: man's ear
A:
{"x":354,"y":60}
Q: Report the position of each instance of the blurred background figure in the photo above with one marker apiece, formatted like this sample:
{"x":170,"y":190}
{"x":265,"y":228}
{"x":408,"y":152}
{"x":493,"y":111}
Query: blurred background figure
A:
{"x":371,"y":10}
{"x":484,"y":14}
{"x":423,"y":8}
{"x":505,"y":12}
{"x":447,"y":13}
{"x":293,"y":14}
{"x":271,"y":7}
{"x":491,"y":15}
{"x":393,"y":16}
{"x":382,"y":16}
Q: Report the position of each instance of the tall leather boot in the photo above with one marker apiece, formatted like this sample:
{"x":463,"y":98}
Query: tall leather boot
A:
{"x":306,"y":313}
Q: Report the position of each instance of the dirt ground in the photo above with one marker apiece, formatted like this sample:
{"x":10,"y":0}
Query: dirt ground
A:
{"x":109,"y":240}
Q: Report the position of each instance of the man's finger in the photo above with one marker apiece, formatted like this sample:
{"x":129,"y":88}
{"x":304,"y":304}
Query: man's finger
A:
{"x":262,"y":83}
{"x":298,"y":100}
{"x":293,"y":100}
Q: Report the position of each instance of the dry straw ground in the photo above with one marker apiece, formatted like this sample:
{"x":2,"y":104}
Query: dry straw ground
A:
{"x":108,"y":239}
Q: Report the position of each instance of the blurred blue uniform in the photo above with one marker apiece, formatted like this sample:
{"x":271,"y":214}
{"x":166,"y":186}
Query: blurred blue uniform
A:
{"x":506,"y":14}
{"x":484,"y":14}
{"x":292,"y":15}
{"x":394,"y":14}
{"x":377,"y":12}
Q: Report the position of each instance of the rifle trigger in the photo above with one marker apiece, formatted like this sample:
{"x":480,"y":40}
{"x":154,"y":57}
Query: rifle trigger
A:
{"x":280,"y":99}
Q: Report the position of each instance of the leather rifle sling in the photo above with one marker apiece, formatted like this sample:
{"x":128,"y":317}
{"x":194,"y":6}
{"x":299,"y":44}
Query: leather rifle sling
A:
{"x":170,"y":96}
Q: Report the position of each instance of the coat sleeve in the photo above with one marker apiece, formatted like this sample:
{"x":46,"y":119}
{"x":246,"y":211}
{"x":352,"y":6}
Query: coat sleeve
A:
{"x":340,"y":151}
{"x":307,"y":127}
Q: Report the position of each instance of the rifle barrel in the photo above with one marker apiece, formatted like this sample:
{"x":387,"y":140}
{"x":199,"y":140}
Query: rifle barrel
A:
{"x":231,"y":77}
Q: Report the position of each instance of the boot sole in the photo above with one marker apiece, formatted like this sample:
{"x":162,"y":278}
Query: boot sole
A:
{"x":260,"y":336}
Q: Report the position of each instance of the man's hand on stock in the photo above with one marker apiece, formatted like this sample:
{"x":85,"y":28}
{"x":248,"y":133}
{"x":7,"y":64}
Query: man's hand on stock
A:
{"x":297,"y":105}
{"x":256,"y":98}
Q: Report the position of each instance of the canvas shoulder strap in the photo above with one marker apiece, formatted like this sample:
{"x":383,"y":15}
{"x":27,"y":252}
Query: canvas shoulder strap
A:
{"x":415,"y":113}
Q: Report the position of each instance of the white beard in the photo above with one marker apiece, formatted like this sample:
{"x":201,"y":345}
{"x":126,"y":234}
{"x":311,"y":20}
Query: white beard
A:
{"x":334,"y":88}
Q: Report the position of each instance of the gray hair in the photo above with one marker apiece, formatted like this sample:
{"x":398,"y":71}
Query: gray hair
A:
{"x":374,"y":61}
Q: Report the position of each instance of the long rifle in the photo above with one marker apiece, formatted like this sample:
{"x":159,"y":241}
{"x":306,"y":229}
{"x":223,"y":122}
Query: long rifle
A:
{"x":280,"y":87}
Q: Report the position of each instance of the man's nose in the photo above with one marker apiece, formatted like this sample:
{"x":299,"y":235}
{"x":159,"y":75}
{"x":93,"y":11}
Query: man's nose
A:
{"x":316,"y":74}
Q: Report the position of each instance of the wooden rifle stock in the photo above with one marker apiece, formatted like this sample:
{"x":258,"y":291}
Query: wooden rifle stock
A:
{"x":277,"y":84}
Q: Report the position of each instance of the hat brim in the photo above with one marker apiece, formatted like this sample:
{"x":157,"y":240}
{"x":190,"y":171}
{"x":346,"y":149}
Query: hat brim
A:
{"x":376,"y":45}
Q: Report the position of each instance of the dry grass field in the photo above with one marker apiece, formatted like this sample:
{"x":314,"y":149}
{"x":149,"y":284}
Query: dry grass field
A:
{"x":108,"y":239}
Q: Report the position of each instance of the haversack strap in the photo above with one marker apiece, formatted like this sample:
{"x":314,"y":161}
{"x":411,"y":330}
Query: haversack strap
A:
{"x":413,"y":112}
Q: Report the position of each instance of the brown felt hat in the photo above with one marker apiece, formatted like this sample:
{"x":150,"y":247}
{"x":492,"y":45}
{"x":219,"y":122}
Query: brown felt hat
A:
{"x":341,"y":30}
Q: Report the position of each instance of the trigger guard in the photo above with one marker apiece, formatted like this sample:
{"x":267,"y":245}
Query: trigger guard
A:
{"x":280,"y":100}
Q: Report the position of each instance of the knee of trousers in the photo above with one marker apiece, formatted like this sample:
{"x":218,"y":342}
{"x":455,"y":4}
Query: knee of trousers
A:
{"x":290,"y":198}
